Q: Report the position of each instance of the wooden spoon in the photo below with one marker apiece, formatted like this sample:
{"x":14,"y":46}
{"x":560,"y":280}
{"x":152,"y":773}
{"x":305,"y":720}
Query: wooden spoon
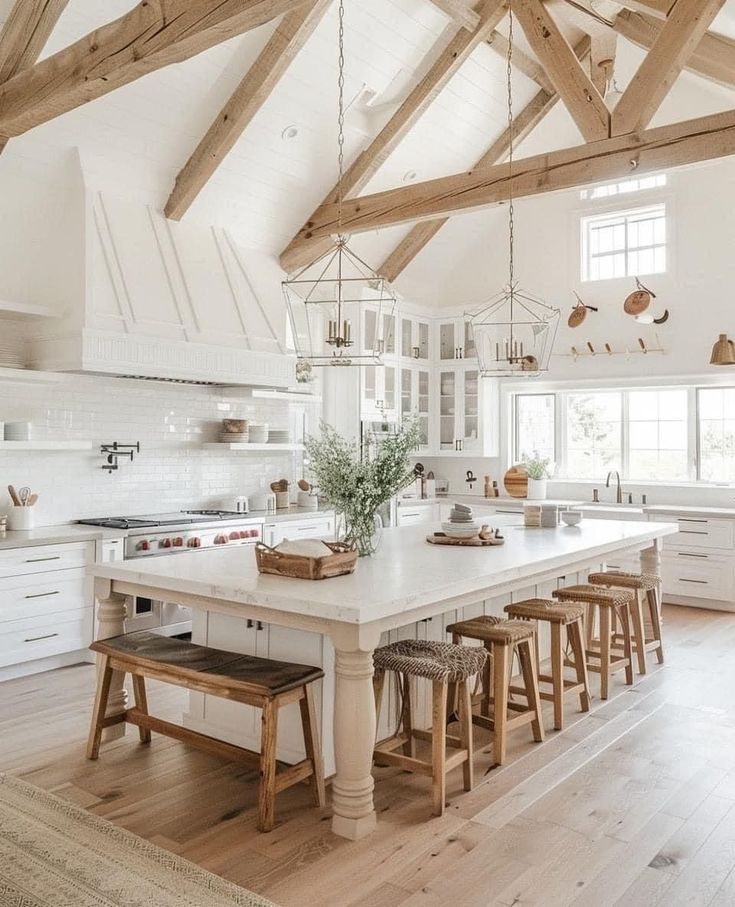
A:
{"x":14,"y":496}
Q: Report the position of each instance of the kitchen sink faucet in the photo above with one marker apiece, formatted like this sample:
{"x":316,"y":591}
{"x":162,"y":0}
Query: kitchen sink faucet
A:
{"x":619,"y":496}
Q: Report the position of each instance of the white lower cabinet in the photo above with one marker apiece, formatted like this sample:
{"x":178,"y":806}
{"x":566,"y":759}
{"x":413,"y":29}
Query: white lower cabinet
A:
{"x":320,"y":526}
{"x":417,"y":514}
{"x":239,"y":723}
{"x":46,"y":603}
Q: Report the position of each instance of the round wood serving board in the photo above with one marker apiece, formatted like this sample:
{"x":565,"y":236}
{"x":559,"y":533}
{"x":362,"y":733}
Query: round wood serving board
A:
{"x":516,"y":482}
{"x":439,"y":538}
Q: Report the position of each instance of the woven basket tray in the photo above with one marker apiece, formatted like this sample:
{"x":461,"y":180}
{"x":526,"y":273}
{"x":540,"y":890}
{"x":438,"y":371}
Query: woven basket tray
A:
{"x":343,"y":561}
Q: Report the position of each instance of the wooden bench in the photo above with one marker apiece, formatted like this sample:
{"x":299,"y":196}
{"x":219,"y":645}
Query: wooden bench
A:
{"x":259,"y":682}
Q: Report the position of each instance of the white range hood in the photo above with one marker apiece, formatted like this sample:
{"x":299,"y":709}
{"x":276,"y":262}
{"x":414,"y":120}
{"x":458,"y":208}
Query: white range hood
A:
{"x":162,"y":300}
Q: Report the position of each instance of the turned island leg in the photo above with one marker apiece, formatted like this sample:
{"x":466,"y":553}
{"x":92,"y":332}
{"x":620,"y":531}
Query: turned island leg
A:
{"x":354,"y":733}
{"x":111,"y":614}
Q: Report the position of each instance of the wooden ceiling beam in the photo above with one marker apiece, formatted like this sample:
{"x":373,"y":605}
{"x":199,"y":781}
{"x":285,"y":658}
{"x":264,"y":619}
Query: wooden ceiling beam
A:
{"x":581,"y":98}
{"x":652,"y":150}
{"x":24,"y":36}
{"x":152,"y":35}
{"x":685,"y":27}
{"x":286,"y":41}
{"x":25,"y":33}
{"x":658,"y":8}
{"x":713,"y":58}
{"x":460,"y":12}
{"x":523,"y":125}
{"x":421,"y":234}
{"x":447,"y":59}
{"x":527,"y":65}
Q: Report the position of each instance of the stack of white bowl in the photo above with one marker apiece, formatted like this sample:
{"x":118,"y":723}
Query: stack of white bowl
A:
{"x":461,"y":523}
{"x":258,"y":434}
{"x":234,"y":431}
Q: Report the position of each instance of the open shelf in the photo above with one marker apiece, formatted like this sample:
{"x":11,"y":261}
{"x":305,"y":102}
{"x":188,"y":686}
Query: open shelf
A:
{"x":45,"y":445}
{"x":255,"y":448}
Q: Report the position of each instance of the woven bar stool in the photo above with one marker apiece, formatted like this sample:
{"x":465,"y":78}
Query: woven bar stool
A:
{"x":645,"y":588}
{"x":503,"y":639}
{"x":560,"y":617}
{"x":609,"y":602}
{"x":442,"y":664}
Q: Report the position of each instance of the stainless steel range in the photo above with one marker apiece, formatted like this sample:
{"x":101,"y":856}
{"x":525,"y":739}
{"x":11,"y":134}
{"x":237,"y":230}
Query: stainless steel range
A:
{"x":185,"y":532}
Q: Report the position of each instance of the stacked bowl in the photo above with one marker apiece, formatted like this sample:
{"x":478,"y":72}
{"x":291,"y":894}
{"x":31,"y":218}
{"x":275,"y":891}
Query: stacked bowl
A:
{"x":461,"y":523}
{"x":234,"y":431}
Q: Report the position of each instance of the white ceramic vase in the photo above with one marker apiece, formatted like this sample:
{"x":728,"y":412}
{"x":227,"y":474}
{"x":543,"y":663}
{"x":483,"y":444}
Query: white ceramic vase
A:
{"x":536,"y":490}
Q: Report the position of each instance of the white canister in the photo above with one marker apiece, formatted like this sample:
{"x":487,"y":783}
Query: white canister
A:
{"x":270,"y":502}
{"x":283,"y":500}
{"x":20,"y":518}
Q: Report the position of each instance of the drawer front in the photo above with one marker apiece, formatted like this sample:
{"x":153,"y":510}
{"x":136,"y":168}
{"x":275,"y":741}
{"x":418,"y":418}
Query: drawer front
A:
{"x":45,"y":558}
{"x":415,"y":517}
{"x":47,"y":593}
{"x":40,"y":637}
{"x":697,"y":575}
{"x":303,"y":529}
{"x":702,"y":533}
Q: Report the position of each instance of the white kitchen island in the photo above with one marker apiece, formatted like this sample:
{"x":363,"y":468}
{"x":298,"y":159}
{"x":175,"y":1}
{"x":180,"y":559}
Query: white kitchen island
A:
{"x":406,"y":582}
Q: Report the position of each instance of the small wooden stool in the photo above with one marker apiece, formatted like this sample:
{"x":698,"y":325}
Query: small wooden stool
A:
{"x":260,"y":682}
{"x":503,"y":638}
{"x":603,"y":649}
{"x":559,"y":616}
{"x":442,"y":663}
{"x":645,"y":587}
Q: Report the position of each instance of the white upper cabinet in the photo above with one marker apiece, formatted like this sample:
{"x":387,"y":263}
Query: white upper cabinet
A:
{"x":415,"y":338}
{"x":467,"y":412}
{"x":455,"y":340}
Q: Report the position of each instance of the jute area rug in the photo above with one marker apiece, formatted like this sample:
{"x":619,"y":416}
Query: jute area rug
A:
{"x":54,"y":854}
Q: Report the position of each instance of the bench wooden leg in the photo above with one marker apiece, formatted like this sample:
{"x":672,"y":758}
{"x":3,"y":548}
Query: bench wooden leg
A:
{"x":267,"y":790}
{"x":501,"y":670}
{"x":439,"y":746}
{"x":605,"y":641}
{"x":104,"y":677}
{"x":465,"y":731}
{"x":527,"y":659}
{"x":627,"y":644}
{"x":652,"y":599}
{"x":312,"y":744}
{"x":141,"y":703}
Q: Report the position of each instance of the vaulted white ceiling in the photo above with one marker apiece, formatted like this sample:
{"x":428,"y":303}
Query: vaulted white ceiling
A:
{"x":136,"y":139}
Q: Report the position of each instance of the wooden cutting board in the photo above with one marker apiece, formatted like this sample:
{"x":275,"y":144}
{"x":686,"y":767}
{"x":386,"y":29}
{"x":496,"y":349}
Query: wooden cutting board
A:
{"x":439,"y":538}
{"x":516,"y":482}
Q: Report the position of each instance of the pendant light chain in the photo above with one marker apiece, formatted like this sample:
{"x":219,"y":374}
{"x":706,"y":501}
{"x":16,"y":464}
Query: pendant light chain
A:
{"x":341,"y":117}
{"x":511,"y":211}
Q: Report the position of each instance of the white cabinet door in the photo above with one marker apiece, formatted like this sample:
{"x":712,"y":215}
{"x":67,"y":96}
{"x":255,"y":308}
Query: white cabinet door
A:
{"x":418,"y":515}
{"x":318,"y":527}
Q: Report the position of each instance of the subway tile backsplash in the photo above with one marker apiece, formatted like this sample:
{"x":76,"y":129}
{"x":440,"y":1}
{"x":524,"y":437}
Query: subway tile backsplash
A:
{"x":171,"y":422}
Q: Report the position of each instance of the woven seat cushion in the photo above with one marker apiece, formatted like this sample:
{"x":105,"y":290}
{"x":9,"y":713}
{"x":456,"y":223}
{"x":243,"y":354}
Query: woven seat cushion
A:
{"x":595,"y":595}
{"x":493,"y":629}
{"x":646,"y":582}
{"x":435,"y":660}
{"x":543,"y":609}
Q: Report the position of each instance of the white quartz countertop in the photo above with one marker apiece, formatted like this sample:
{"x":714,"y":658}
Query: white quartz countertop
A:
{"x":406,"y":574}
{"x":56,"y":535}
{"x":73,"y":532}
{"x":724,"y":513}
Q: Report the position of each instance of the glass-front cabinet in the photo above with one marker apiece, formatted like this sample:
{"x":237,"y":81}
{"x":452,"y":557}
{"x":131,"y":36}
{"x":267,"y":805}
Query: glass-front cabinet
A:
{"x":378,"y":331}
{"x":467,"y":412}
{"x":379,"y":392}
{"x":455,"y":340}
{"x":415,"y":343}
{"x":416,"y":400}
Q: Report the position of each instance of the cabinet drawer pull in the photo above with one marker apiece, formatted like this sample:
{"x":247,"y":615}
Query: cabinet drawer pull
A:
{"x":684,"y":519}
{"x":702,"y":556}
{"x":39,"y":638}
{"x":40,"y":560}
{"x":692,"y":532}
{"x":43,"y":594}
{"x":698,"y":582}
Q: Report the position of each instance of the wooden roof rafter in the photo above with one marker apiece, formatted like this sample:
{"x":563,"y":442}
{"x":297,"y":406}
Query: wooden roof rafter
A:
{"x":446,"y":58}
{"x":460,"y":11}
{"x":149,"y":37}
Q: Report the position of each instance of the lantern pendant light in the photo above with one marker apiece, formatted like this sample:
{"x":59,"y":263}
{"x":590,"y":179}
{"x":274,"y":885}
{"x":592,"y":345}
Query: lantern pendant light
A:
{"x":514,"y":332}
{"x":326,"y":296}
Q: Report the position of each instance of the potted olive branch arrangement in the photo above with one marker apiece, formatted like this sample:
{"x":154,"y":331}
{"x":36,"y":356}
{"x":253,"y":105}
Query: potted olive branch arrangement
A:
{"x":356,"y":486}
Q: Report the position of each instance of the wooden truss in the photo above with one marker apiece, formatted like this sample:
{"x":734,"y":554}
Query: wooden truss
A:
{"x":154,"y":34}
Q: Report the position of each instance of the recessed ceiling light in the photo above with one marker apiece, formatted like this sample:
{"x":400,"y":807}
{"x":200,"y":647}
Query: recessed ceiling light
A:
{"x":290,"y":132}
{"x":409,"y":176}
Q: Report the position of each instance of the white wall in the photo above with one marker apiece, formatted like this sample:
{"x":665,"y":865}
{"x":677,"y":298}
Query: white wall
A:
{"x":170,"y":421}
